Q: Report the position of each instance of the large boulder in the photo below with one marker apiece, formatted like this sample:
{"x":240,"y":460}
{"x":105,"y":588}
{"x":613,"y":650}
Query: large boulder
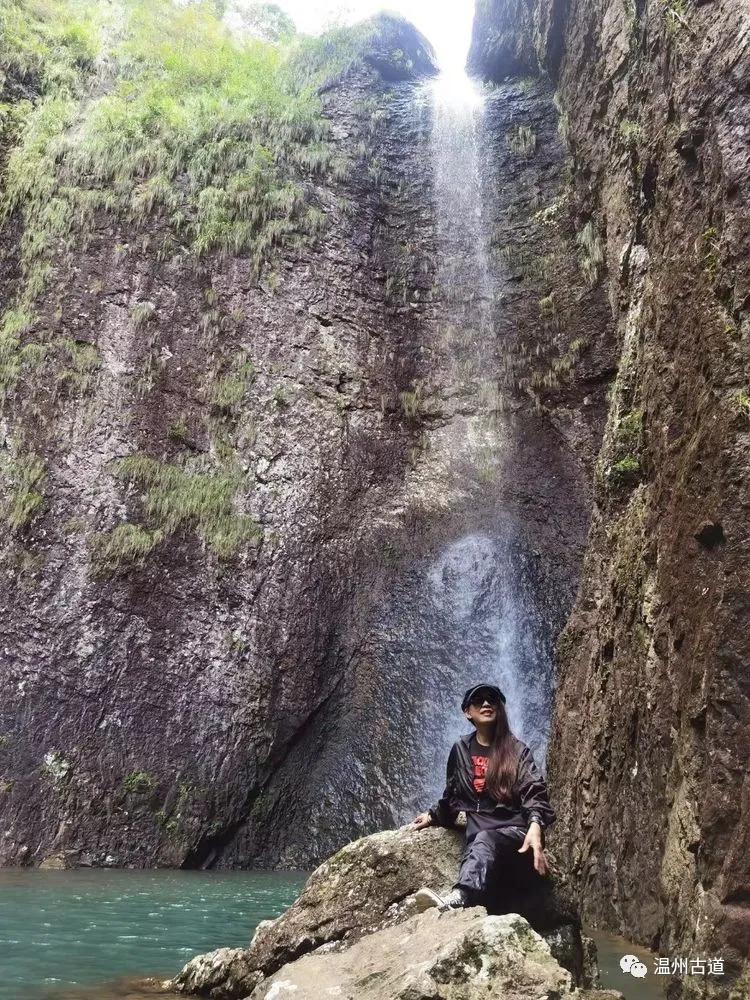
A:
{"x":368,"y":886}
{"x":398,"y":50}
{"x":459,"y":955}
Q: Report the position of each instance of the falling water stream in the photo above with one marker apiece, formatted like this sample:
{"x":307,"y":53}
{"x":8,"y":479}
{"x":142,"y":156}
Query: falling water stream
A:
{"x":479,"y":586}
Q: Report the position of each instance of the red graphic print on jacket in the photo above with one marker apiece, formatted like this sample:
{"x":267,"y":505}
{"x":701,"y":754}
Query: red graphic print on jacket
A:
{"x":480,"y":762}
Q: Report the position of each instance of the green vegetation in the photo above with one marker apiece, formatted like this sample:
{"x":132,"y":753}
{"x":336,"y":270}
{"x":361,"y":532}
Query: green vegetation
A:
{"x":138,"y":783}
{"x":675,"y":12}
{"x":188,"y":498}
{"x":25,"y":477}
{"x":37,"y":42}
{"x":593,"y":252}
{"x":16,"y":358}
{"x":169,"y":826}
{"x":178,"y":431}
{"x":627,"y":470}
{"x":742,"y":403}
{"x":707,"y":247}
{"x":629,"y":431}
{"x":81,"y":362}
{"x":171,"y":819}
{"x":412,"y":401}
{"x":559,"y":370}
{"x":551,"y":213}
{"x":522,"y":141}
{"x":141,"y":313}
{"x":547,"y":305}
{"x":230,"y":390}
{"x":631,"y":131}
{"x":523,"y":260}
{"x":165,"y":120}
{"x":74,"y":526}
{"x":127,"y":544}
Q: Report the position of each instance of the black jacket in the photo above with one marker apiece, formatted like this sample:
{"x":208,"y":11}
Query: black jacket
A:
{"x":529,"y":791}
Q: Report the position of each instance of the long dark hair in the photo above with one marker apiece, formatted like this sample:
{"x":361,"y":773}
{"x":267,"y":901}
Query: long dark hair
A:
{"x":502,"y":766}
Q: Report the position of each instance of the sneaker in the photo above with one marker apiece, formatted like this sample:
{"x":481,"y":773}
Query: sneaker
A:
{"x":455,"y":900}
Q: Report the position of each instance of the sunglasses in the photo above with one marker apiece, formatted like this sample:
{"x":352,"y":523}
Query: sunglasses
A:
{"x":478,"y":700}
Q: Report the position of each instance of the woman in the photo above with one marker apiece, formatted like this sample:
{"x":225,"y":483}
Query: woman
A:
{"x":491,"y":777}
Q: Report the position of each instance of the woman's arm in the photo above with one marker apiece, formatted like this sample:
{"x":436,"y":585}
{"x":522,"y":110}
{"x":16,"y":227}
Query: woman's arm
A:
{"x":532,"y":791}
{"x":444,"y":812}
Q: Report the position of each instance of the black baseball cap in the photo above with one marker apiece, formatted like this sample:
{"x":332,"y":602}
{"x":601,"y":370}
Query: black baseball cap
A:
{"x":481,"y":687}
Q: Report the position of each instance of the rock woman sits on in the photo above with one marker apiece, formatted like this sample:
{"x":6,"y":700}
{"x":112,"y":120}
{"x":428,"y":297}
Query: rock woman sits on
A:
{"x":493,"y":778}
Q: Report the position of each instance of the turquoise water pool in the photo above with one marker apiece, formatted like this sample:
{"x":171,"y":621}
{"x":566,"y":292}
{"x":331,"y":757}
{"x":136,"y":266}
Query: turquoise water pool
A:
{"x":76,"y":928}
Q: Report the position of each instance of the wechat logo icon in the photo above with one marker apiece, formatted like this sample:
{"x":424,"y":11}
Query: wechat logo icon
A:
{"x":633,"y":965}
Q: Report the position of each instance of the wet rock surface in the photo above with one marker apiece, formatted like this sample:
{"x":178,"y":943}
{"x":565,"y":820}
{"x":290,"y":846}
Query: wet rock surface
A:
{"x":147,"y":710}
{"x":650,"y":734}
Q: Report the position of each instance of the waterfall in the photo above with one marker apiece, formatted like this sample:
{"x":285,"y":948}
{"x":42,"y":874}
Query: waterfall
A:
{"x":463,"y":264}
{"x":479,"y":590}
{"x":465,"y":597}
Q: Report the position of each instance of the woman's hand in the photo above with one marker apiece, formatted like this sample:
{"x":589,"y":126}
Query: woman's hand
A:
{"x":533,"y":840}
{"x":421,"y":821}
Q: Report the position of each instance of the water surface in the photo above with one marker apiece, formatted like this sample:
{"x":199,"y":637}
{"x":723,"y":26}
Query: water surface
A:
{"x":78,"y":928}
{"x":610,"y":949}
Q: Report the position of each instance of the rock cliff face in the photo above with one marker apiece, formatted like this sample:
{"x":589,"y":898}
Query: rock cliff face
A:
{"x":151,"y":697}
{"x":268,"y":510}
{"x":651,"y":732}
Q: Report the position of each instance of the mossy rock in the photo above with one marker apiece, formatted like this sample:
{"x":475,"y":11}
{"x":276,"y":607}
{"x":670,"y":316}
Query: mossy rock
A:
{"x":398,"y":51}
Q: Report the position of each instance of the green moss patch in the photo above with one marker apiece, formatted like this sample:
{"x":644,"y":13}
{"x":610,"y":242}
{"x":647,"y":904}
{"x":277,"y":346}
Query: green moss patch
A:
{"x":23,"y":480}
{"x":179,"y":499}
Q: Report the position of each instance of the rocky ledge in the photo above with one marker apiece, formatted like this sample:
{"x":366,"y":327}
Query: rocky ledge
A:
{"x":355,"y":932}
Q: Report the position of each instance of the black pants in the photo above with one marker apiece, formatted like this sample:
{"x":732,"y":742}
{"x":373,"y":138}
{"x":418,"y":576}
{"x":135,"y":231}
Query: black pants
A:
{"x":491,"y":862}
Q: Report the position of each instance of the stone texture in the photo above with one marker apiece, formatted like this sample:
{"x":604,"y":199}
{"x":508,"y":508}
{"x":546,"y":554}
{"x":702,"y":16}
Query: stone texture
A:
{"x":223,"y":974}
{"x":459,"y":955}
{"x":398,"y":51}
{"x":55,"y":862}
{"x":651,"y":732}
{"x":365,"y":884}
{"x":200,"y":674}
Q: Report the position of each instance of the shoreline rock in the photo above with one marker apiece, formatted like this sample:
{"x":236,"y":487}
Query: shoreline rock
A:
{"x":458,"y":955}
{"x":361,"y":902}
